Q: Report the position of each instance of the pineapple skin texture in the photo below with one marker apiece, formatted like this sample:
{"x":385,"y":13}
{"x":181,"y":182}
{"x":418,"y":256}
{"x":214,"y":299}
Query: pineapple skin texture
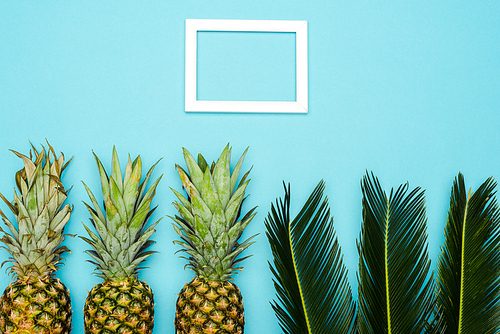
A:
{"x":41,"y":307}
{"x":125,"y":307}
{"x":209,"y":307}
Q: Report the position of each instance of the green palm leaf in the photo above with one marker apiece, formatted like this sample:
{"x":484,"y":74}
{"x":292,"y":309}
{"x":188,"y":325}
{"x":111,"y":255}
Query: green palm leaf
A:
{"x":469,"y":263}
{"x":394,"y":294}
{"x":310,"y":276}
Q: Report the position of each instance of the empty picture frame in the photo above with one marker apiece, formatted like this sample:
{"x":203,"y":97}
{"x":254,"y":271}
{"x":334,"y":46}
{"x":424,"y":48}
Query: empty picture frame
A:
{"x":297,"y":27}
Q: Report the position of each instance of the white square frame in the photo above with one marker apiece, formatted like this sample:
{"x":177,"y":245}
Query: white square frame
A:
{"x":300,"y":30}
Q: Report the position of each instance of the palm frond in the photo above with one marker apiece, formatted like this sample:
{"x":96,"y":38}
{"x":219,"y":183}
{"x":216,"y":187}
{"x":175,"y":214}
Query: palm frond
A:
{"x":395,"y":294}
{"x":469,"y":264}
{"x":310,"y":277}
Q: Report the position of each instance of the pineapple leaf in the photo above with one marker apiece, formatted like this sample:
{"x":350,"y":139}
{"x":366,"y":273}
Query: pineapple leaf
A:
{"x":202,"y":230}
{"x":139,"y":218}
{"x":53,"y":243}
{"x":94,"y":237}
{"x":11,"y":207}
{"x":123,"y":236}
{"x":235,"y":231}
{"x":208,"y":192}
{"x":182,"y":223}
{"x":103,"y":253}
{"x":12,"y":246}
{"x":145,"y":182}
{"x":185,"y":213}
{"x":192,"y":239}
{"x":244,"y":178}
{"x":213,"y":268}
{"x":233,"y":209}
{"x":146,"y":245}
{"x":37,"y":206}
{"x":150,"y":193}
{"x":131,"y":187}
{"x":35,"y":199}
{"x":199,"y":206}
{"x":99,"y":225}
{"x":236,"y":170}
{"x":117,"y":199}
{"x":222,"y":177}
{"x":113,"y":219}
{"x":234,"y":235}
{"x":104,"y":178}
{"x":41,"y":188}
{"x":194,"y":169}
{"x":61,"y":159}
{"x":198,"y":258}
{"x":181,"y":198}
{"x":29,"y":166}
{"x":53,"y":204}
{"x":123,"y":257}
{"x":116,"y":269}
{"x":221,"y":247}
{"x":48,"y":186}
{"x":229,"y":258}
{"x":150,"y":213}
{"x":142,"y":257}
{"x":202,"y":163}
{"x":42,"y":224}
{"x":113,"y":246}
{"x":24,"y":221}
{"x":11,"y":227}
{"x":218,"y":224}
{"x":58,"y":223}
{"x":128,"y":172}
{"x":186,"y":182}
{"x":136,"y":246}
{"x":97,"y":208}
{"x":116,"y":172}
{"x":95,"y":255}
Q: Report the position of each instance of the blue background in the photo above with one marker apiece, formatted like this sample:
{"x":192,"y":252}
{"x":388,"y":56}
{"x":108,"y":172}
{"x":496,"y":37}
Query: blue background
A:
{"x":409,"y":90}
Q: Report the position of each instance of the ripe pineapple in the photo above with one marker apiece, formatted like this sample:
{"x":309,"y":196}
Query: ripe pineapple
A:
{"x":37,"y":302}
{"x":122,"y":303}
{"x":209,"y":227}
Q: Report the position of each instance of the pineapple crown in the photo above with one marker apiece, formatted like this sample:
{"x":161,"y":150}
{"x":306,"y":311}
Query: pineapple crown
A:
{"x":122,"y":237}
{"x":35,"y":245}
{"x":208,"y":222}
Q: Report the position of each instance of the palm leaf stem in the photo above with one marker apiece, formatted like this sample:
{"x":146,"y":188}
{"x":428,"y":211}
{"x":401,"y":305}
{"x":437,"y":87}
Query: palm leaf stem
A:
{"x":386,"y":261}
{"x":298,"y":280}
{"x":462,"y":263}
